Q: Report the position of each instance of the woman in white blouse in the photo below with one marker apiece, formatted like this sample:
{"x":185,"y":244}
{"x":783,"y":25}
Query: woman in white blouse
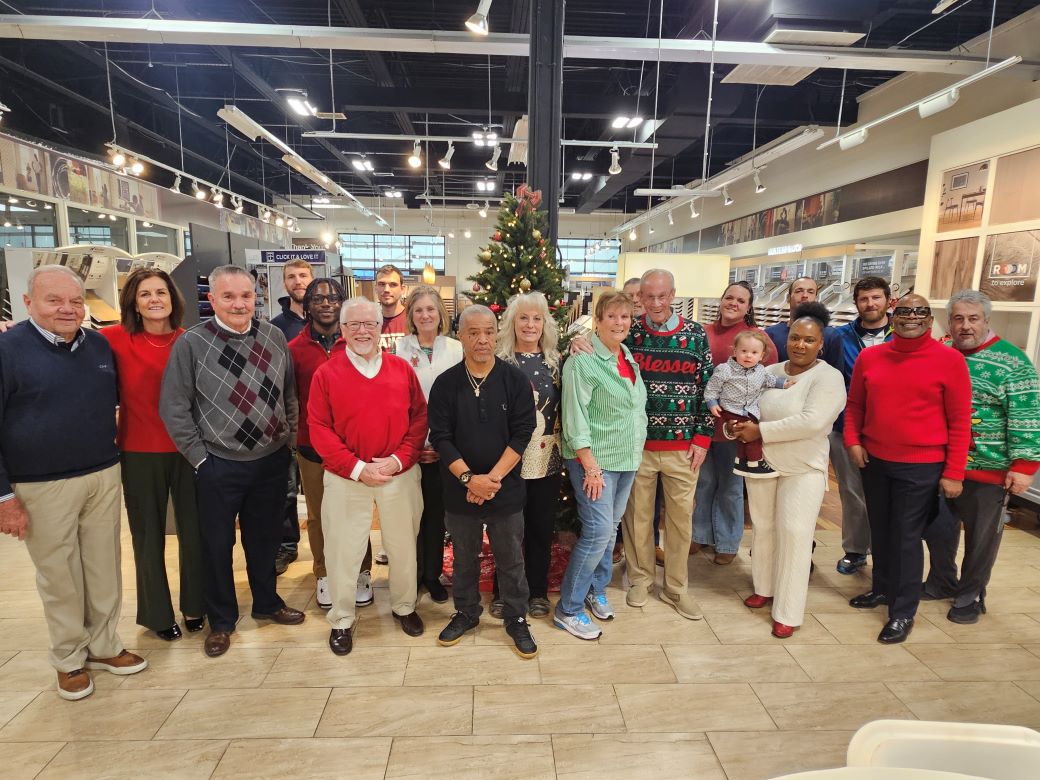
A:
{"x":430,"y":352}
{"x":784,"y":507}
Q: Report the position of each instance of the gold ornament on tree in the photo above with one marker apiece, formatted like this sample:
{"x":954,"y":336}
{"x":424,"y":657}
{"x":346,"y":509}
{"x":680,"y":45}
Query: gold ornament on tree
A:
{"x":536,"y":233}
{"x":485,"y":255}
{"x":525,"y":285}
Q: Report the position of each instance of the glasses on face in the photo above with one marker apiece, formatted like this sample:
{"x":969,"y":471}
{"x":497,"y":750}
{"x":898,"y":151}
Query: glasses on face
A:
{"x":354,"y":327}
{"x":913,"y":311}
{"x":333,"y":299}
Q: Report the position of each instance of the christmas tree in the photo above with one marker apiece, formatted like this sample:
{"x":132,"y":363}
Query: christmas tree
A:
{"x":520,"y":258}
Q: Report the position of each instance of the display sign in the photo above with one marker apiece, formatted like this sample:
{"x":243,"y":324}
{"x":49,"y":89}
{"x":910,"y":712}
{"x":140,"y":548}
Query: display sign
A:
{"x":876,"y":266}
{"x":784,"y":250}
{"x":1010,"y":266}
{"x":288,"y":255}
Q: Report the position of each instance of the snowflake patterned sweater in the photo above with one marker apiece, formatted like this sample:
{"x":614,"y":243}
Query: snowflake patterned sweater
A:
{"x":675,"y":363}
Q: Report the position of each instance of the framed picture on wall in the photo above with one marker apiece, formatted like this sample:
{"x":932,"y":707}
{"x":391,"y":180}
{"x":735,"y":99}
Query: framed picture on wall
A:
{"x":1010,"y":265}
{"x":959,"y":181}
{"x":963,"y":197}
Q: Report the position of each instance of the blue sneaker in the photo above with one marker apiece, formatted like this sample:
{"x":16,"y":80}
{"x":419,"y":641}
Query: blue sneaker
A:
{"x":851,"y":563}
{"x":577,"y":625}
{"x":599,"y":606}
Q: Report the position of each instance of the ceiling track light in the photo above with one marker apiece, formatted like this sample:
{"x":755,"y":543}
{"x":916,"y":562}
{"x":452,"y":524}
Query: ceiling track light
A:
{"x":671,"y":221}
{"x":940,"y":102}
{"x":853,"y":139}
{"x":137,"y":167}
{"x":726,"y":199}
{"x":445,"y":161}
{"x":176,"y":186}
{"x":218,"y":196}
{"x":118,"y":158}
{"x":483,"y":210}
{"x":415,"y":158}
{"x":693,"y":209}
{"x":467,"y":233}
{"x":200,"y":194}
{"x":759,"y":186}
{"x":632,"y":235}
{"x":615,"y":161}
{"x":478,"y":22}
{"x":492,"y":164}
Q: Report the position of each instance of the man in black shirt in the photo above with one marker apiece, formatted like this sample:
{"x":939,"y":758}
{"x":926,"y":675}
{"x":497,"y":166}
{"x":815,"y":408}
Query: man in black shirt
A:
{"x":481,"y":416}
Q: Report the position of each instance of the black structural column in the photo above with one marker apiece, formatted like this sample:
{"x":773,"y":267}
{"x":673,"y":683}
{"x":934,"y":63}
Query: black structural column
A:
{"x":545,"y":105}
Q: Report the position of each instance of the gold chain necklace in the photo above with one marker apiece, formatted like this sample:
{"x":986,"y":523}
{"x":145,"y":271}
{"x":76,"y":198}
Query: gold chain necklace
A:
{"x":475,"y":384}
{"x":157,"y":346}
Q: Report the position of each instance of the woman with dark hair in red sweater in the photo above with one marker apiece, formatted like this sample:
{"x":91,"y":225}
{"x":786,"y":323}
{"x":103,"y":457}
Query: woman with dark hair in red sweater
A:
{"x":153,"y":470}
{"x":907,"y":427}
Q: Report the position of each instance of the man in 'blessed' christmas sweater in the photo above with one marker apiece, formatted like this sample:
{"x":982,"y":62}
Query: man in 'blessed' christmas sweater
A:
{"x":1003,"y":456}
{"x":675,"y":362}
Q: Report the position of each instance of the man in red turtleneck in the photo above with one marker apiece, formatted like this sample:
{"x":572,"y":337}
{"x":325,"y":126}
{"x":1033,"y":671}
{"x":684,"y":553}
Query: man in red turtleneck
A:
{"x":907,"y":427}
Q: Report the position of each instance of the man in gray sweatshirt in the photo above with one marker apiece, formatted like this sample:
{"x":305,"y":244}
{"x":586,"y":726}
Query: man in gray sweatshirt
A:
{"x":229,"y":403}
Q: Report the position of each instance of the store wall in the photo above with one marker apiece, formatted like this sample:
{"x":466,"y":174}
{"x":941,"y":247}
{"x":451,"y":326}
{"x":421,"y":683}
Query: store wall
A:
{"x":462,"y":261}
{"x":892,"y":145}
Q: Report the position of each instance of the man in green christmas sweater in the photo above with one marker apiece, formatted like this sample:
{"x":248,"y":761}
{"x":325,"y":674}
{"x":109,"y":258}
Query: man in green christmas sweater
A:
{"x":1003,"y":457}
{"x":675,"y":363}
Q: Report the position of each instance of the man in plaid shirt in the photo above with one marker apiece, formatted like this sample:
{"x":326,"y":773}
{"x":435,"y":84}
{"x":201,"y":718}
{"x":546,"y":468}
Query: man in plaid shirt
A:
{"x":229,"y":403}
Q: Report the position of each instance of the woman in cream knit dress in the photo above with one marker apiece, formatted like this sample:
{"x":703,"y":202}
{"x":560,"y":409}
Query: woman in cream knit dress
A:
{"x":784,"y":507}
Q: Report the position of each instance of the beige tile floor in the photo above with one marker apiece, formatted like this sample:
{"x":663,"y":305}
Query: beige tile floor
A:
{"x":656,"y":697}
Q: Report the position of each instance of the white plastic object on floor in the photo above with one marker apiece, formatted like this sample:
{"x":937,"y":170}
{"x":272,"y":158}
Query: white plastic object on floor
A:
{"x":979,"y":749}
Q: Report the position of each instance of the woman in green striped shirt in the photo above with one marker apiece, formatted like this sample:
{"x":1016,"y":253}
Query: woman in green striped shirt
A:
{"x":604,"y":427}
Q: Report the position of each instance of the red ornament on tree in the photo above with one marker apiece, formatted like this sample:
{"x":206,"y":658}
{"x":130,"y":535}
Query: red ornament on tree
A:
{"x":497,"y":236}
{"x":476,"y":287}
{"x":495,"y":308}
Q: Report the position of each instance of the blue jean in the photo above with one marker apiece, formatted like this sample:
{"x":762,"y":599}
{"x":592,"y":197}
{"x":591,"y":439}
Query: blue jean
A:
{"x":718,"y":515}
{"x":592,"y":559}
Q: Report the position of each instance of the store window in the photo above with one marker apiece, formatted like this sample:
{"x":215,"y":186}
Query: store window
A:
{"x":589,"y":256}
{"x":25,"y":223}
{"x":90,"y":227}
{"x":155,"y":238}
{"x":364,"y":253}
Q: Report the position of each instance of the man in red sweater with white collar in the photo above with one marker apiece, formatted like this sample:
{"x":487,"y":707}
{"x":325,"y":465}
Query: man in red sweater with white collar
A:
{"x":907,"y":427}
{"x":367,"y":416}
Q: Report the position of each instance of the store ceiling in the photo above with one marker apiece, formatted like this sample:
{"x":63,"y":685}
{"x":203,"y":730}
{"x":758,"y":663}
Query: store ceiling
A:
{"x":58,"y":91}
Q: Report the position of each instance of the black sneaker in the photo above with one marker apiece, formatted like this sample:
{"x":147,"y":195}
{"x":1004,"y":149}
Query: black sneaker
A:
{"x":851,"y":563}
{"x":966,"y":615}
{"x":456,"y":628}
{"x":285,"y":556}
{"x":752,"y":468}
{"x":523,"y":642}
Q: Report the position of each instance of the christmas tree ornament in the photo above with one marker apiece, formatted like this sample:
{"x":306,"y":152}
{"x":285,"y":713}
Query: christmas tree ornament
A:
{"x":496,"y":308}
{"x":525,"y":285}
{"x":536,"y":233}
{"x":485,"y":255}
{"x":498,"y":235}
{"x":476,"y":287}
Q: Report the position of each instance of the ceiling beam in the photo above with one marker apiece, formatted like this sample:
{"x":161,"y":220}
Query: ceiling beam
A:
{"x":222,"y":34}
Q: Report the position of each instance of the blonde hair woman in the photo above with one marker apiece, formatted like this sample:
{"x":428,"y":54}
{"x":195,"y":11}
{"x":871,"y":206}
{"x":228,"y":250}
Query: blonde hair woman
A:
{"x":528,"y":338}
{"x":430,"y":352}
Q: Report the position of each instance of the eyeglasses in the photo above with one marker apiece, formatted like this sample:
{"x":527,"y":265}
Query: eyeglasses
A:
{"x":913,"y":311}
{"x":354,"y":327}
{"x":333,"y":299}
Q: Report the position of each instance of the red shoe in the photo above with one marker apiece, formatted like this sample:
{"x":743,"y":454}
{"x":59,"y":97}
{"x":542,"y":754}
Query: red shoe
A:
{"x":780,"y":631}
{"x":757,"y":602}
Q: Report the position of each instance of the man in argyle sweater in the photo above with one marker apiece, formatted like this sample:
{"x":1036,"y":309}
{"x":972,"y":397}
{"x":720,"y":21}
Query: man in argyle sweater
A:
{"x":1004,"y":456}
{"x":229,"y":403}
{"x":675,"y":362}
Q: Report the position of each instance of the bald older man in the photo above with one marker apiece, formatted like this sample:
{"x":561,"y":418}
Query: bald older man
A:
{"x":59,"y":476}
{"x":907,"y":428}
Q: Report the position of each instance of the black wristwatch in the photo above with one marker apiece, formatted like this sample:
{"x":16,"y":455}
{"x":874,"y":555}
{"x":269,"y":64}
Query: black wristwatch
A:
{"x":465,"y":477}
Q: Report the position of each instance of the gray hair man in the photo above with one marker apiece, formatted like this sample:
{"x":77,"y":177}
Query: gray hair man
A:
{"x":1004,"y":457}
{"x":59,"y":475}
{"x":229,"y":403}
{"x":482,"y":417}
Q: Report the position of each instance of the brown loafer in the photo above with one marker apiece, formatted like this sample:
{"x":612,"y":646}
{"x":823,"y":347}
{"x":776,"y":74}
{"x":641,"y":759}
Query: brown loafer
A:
{"x":286,"y":616}
{"x":724,"y":559}
{"x":696,"y":547}
{"x":411,"y":623}
{"x":75,"y":685}
{"x":217,"y":643}
{"x":124,"y":663}
{"x":341,"y":641}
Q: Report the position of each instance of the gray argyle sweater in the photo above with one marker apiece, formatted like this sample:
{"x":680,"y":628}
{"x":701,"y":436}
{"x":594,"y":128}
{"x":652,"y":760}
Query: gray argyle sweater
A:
{"x":228,"y":393}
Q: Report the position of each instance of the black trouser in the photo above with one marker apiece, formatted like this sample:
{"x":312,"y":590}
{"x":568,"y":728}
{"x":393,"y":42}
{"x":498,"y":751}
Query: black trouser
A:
{"x":543,"y":496}
{"x":150,"y":479}
{"x":902,"y":498}
{"x":429,"y":544}
{"x":291,"y":521}
{"x":254,"y":492}
{"x":981,"y":508}
{"x":467,"y":538}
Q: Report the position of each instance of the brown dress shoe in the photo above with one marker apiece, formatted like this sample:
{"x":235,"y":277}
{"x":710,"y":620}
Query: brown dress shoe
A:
{"x":287,"y":616}
{"x":75,"y":685}
{"x":217,"y":643}
{"x":724,"y":559}
{"x":411,"y":623}
{"x":341,"y":641}
{"x":124,"y":663}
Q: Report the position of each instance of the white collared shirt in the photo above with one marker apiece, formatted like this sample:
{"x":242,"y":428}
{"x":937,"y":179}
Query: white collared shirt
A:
{"x":228,"y":328}
{"x":57,"y":340}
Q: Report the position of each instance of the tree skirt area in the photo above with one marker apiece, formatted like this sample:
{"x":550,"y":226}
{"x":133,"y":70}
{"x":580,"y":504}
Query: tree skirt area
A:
{"x":561,"y":553}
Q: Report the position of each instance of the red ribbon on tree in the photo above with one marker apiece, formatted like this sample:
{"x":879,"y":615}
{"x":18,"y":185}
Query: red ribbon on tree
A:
{"x":529,"y":199}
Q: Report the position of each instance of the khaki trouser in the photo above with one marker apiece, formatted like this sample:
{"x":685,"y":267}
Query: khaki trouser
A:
{"x":679,"y":483}
{"x":73,"y":541}
{"x":312,"y":475}
{"x":346,"y":519}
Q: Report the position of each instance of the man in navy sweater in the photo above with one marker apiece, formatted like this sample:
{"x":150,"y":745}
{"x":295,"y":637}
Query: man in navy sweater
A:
{"x":59,"y":476}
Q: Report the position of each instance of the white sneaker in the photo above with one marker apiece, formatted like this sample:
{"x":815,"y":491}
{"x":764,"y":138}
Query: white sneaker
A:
{"x":599,"y":606}
{"x":363,"y":596}
{"x":381,"y":557}
{"x":577,"y":625}
{"x":324,"y":598}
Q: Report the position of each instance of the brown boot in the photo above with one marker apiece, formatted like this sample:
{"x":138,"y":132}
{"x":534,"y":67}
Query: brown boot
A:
{"x":75,"y":685}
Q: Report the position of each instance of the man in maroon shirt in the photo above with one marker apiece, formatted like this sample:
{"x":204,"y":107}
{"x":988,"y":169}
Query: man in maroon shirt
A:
{"x":390,"y":292}
{"x":907,"y":428}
